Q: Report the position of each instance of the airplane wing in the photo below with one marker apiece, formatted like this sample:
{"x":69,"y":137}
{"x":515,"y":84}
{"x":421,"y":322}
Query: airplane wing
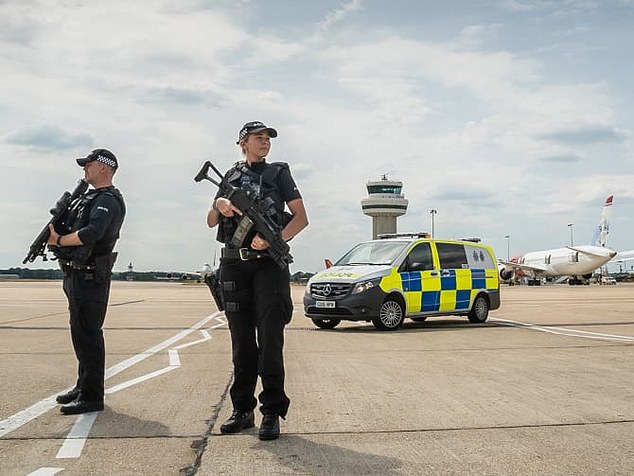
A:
{"x":624,"y":255}
{"x":523,"y":267}
{"x":590,"y":252}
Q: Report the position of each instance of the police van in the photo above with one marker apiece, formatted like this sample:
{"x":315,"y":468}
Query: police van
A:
{"x":405,"y":276}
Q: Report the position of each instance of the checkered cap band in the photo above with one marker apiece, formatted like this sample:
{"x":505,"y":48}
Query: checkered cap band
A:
{"x":253,"y":127}
{"x":107,"y":161}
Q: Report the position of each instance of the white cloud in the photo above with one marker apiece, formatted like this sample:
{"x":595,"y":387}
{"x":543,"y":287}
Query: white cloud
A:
{"x":476,"y":126}
{"x":340,"y":14}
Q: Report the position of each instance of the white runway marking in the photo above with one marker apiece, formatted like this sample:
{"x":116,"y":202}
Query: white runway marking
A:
{"x":175,"y":360}
{"x":174,"y":363}
{"x":76,"y":438}
{"x":142,"y":378}
{"x":45,"y":472}
{"x":563,"y":331}
{"x":23,"y":417}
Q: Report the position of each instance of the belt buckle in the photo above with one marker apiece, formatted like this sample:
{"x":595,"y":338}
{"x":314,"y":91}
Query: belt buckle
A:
{"x":242,"y":252}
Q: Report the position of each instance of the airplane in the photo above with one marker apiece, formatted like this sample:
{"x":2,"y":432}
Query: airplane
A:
{"x":576,"y":262}
{"x":198,"y":276}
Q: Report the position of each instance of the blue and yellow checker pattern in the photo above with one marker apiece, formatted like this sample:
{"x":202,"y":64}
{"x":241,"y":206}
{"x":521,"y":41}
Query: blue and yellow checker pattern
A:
{"x":441,"y":290}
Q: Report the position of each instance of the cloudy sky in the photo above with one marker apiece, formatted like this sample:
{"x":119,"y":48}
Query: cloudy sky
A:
{"x":509,"y":117}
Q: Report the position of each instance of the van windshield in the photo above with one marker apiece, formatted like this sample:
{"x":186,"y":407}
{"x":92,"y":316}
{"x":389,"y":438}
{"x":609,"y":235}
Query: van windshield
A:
{"x":373,"y":252}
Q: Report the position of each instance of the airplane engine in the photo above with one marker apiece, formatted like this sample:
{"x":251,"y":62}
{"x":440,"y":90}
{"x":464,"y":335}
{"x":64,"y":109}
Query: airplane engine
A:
{"x":506,"y":274}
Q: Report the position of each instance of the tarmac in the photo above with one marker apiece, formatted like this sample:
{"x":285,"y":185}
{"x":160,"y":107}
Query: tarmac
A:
{"x":543,"y":387}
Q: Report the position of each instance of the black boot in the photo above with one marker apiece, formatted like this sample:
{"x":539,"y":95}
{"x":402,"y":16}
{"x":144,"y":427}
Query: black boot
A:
{"x":82,"y":406}
{"x":237,"y":422}
{"x":68,"y":397}
{"x":270,"y":427}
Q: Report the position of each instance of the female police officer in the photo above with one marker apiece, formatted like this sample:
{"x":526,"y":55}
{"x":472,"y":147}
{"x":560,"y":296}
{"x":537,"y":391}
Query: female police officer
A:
{"x":256,"y":291}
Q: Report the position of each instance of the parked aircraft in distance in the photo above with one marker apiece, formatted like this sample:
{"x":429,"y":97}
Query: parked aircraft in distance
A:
{"x":577,"y":262}
{"x":197,"y":276}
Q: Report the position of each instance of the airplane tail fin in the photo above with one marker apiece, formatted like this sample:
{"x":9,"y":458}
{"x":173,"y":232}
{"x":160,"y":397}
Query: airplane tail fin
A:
{"x":600,"y":237}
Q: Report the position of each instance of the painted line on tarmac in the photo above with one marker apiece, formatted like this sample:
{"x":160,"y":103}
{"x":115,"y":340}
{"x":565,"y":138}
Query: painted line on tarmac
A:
{"x":564,"y":331}
{"x":126,"y":364}
{"x":23,"y":417}
{"x":142,"y":378}
{"x":76,"y":439}
{"x":174,"y":361}
{"x":45,"y":472}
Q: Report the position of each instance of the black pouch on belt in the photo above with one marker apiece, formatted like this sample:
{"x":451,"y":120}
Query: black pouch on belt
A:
{"x":103,"y":266}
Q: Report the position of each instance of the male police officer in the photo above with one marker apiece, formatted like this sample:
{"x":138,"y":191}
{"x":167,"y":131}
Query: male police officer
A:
{"x":86,"y":258}
{"x":256,"y":291}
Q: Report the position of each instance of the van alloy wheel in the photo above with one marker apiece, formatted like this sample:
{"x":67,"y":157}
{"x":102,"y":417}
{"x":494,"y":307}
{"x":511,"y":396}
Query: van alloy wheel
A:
{"x":391,"y":316}
{"x":480,"y":310}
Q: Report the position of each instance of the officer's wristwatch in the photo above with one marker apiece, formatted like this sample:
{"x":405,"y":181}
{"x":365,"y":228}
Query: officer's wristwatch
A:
{"x":57,"y":242}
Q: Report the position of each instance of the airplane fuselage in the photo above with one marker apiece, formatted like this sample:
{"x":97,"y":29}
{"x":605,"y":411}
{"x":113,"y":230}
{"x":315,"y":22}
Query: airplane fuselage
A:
{"x":575,"y":261}
{"x":566,"y":261}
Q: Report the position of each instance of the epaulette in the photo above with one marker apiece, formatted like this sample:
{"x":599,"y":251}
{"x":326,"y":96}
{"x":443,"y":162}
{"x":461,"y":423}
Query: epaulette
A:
{"x":283,"y":165}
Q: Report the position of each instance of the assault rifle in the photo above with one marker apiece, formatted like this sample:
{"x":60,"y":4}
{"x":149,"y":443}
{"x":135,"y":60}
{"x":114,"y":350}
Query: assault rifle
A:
{"x":257,"y":214}
{"x":60,"y":213}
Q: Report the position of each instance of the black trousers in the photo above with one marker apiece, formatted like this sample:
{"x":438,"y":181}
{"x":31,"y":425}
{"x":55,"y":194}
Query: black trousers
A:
{"x":87,"y":303}
{"x":258,"y":306}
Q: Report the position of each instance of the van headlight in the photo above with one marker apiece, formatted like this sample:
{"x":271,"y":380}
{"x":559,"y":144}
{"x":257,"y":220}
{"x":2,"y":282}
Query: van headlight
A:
{"x":365,"y":285}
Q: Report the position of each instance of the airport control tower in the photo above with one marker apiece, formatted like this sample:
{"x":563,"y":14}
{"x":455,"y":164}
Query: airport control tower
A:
{"x":385,"y":202}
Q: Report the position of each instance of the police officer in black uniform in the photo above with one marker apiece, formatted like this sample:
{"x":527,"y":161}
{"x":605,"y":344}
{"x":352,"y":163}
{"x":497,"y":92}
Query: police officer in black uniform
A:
{"x":84,"y":251}
{"x":256,"y":291}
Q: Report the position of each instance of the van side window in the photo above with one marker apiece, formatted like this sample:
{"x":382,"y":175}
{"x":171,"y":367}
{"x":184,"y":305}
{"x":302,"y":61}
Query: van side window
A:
{"x":478,"y":257}
{"x":419,"y":259}
{"x":452,"y":256}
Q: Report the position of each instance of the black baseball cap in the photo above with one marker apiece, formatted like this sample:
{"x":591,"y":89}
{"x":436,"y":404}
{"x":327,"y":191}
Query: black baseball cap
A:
{"x":253,"y":127}
{"x":100,"y":155}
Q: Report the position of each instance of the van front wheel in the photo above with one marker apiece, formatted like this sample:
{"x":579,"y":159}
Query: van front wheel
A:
{"x":391,"y":316}
{"x":480,"y":310}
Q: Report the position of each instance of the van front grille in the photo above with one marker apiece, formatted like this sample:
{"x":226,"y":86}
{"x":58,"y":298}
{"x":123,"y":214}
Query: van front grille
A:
{"x":329,"y":290}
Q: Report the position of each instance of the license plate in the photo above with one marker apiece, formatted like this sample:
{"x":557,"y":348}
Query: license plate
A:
{"x":328,"y":304}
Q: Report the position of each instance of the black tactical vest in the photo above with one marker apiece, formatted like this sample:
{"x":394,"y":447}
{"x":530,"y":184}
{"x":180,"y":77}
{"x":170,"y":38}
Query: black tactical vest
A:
{"x":265,"y":184}
{"x":78,"y":217}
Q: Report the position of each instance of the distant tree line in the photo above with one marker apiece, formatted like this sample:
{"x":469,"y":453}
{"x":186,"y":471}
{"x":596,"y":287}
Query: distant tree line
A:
{"x":27,"y":273}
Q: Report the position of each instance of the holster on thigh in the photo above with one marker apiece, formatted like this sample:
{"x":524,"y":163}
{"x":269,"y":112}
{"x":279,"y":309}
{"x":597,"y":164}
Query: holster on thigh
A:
{"x":236,"y":299}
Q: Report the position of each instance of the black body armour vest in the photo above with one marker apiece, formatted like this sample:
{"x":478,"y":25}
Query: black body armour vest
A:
{"x":264,"y":185}
{"x":77,"y":219}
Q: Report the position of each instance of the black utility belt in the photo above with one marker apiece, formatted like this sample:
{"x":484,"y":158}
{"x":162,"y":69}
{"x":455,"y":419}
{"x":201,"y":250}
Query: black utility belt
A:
{"x":76,"y":266}
{"x":243,"y":254}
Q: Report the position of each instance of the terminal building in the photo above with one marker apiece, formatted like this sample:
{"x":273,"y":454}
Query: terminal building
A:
{"x":385,"y":202}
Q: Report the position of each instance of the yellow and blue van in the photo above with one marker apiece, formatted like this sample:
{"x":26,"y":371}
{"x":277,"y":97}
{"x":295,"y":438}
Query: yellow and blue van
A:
{"x":405,"y":276}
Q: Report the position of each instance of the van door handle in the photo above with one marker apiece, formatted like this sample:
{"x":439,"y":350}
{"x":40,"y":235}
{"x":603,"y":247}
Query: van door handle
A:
{"x":446,"y":273}
{"x":434,"y":273}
